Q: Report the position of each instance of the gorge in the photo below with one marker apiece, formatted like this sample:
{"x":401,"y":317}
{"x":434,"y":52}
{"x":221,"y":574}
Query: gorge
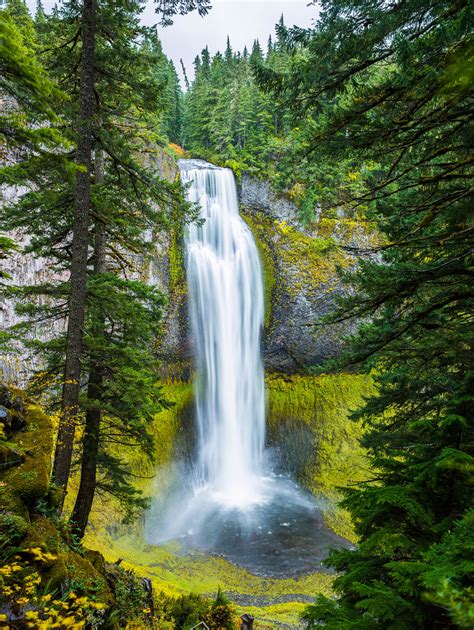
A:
{"x":236,"y":318}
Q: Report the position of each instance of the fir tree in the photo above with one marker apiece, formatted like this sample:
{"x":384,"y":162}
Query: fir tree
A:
{"x":390,"y":86}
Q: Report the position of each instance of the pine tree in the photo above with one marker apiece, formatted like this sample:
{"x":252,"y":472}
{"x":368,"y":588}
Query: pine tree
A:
{"x":390,"y":85}
{"x":117,"y":392}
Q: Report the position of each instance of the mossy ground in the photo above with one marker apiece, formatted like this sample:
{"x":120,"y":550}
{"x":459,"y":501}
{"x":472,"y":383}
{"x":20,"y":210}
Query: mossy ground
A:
{"x":274,"y":602}
{"x":314,"y":407}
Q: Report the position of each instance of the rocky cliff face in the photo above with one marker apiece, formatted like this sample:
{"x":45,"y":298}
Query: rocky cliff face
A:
{"x":301,"y":275}
{"x":301,"y":281}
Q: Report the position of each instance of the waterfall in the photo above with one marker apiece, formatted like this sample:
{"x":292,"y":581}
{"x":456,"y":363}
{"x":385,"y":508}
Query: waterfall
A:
{"x":226,"y":309}
{"x":227,"y":500}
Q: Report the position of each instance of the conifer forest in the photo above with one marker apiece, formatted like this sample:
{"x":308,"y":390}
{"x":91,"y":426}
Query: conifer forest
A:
{"x":236,"y":315}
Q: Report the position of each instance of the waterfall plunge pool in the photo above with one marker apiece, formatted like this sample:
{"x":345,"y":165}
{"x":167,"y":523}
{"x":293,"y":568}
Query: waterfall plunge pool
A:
{"x":282,"y":536}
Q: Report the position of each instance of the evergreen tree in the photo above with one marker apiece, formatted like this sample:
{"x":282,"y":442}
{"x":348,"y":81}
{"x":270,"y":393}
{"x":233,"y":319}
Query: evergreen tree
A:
{"x":390,"y":85}
{"x":116,"y":383}
{"x":228,"y":55}
{"x":28,"y":123}
{"x":80,"y":244}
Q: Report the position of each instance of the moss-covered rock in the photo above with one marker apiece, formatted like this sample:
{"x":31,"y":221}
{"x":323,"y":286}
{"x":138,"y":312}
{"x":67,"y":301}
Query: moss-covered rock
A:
{"x":84,"y":578}
{"x":14,"y":519}
{"x":317,"y":443}
{"x":267,"y":259}
{"x":10,"y":456}
{"x":43,"y":535}
{"x":31,"y":479}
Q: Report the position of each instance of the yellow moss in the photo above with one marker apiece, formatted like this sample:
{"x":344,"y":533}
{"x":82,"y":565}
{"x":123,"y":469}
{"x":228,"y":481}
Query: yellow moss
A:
{"x":276,"y":615}
{"x":268,"y":263}
{"x":317,"y":259}
{"x":318,"y":407}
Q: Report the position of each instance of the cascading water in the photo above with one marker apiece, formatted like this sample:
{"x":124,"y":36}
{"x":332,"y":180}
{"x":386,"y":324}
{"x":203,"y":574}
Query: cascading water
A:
{"x":226,"y":307}
{"x":227,"y":500}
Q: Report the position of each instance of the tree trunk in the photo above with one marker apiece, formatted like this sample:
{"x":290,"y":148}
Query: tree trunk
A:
{"x":90,"y":446}
{"x":78,"y":275}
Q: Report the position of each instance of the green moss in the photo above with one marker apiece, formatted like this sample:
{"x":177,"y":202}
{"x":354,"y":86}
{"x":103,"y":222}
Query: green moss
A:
{"x":176,"y":264}
{"x":12,"y":529}
{"x":275,"y":615}
{"x":85,"y":579}
{"x":43,"y":535}
{"x":71,"y":572}
{"x":308,"y":417}
{"x":267,"y":259}
{"x":10,"y":455}
{"x":174,"y":574}
{"x":31,"y":479}
{"x":316,"y":259}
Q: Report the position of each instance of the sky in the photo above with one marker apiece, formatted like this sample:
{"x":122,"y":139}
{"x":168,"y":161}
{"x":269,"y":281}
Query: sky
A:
{"x":242,"y":20}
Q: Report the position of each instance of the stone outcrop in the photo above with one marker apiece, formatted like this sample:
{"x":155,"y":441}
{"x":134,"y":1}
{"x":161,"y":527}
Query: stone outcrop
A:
{"x":301,"y":275}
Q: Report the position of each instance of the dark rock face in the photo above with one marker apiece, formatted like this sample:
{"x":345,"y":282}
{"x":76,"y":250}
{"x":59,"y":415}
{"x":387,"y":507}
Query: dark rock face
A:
{"x":292,"y":343}
{"x":256,"y":194}
{"x":301,"y":264}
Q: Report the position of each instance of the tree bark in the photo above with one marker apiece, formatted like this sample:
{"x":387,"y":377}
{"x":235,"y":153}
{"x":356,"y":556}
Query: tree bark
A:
{"x":90,"y":446}
{"x":78,"y":275}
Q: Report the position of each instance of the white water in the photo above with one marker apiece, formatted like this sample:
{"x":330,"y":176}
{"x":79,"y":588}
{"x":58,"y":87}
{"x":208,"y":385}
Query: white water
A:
{"x":226,"y":308}
{"x":225,"y":502}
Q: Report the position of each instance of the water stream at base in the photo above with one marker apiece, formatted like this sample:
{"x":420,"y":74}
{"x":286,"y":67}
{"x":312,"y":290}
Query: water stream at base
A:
{"x":228,"y":501}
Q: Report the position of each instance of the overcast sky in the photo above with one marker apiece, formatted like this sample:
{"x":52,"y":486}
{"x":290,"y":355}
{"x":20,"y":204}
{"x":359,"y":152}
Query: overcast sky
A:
{"x":242,"y":20}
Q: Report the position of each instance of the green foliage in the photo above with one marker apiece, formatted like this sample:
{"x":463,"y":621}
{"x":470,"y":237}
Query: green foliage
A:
{"x":373,"y":84}
{"x":138,"y":97}
{"x":232,"y":120}
{"x":221,"y":613}
{"x":28,"y":124}
{"x":187,"y":611}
